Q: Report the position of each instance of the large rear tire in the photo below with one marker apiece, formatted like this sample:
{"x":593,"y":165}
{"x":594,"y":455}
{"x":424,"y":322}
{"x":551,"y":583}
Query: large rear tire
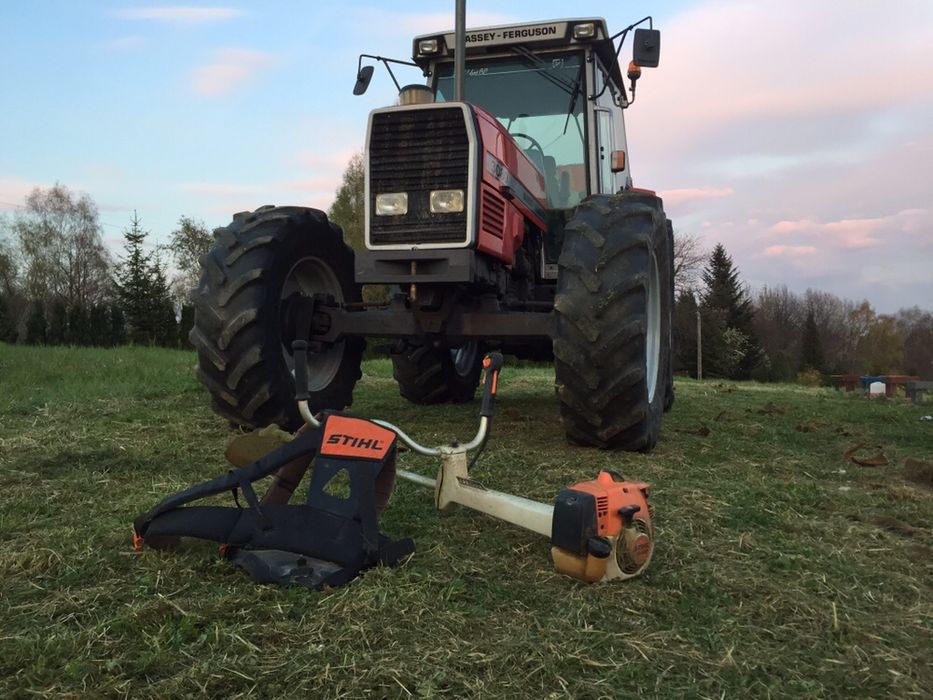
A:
{"x":613,"y":322}
{"x":244,"y":358}
{"x":429,"y":375}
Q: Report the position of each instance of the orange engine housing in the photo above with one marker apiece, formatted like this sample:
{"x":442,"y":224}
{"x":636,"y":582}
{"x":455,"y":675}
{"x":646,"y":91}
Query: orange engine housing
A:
{"x":602,"y":529}
{"x":612,"y":493}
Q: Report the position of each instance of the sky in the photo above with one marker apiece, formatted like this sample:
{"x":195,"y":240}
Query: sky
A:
{"x":797,"y":134}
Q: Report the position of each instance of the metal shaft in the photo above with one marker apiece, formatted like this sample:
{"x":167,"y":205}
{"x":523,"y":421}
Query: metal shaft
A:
{"x":459,"y":50}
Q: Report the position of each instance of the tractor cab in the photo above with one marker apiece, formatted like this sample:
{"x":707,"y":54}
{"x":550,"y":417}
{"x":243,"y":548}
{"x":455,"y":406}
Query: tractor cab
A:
{"x":555,"y":87}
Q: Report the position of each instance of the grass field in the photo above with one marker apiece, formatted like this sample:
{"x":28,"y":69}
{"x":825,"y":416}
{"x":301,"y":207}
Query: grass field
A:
{"x":782,"y":568}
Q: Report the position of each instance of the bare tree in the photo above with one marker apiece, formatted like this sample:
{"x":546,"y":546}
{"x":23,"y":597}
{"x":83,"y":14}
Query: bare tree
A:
{"x":689,"y":259}
{"x":347,"y":211}
{"x":779,"y":318}
{"x":60,"y":247}
{"x":8,"y":271}
{"x":835,"y":319}
{"x":188,"y":243}
{"x":916,"y":328}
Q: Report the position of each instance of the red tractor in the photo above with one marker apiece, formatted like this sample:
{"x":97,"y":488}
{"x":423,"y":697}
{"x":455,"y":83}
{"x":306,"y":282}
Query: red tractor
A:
{"x":500,"y":213}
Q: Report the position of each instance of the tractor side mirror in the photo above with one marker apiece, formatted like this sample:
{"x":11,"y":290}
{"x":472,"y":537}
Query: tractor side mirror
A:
{"x":362,"y":80}
{"x":647,"y":48}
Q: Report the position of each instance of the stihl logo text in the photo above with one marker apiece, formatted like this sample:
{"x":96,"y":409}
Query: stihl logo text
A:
{"x":359,"y":443}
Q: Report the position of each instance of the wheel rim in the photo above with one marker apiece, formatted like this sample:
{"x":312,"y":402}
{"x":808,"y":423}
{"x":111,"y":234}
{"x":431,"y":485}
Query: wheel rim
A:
{"x":653,"y":329}
{"x":313,"y":276}
{"x":464,"y":358}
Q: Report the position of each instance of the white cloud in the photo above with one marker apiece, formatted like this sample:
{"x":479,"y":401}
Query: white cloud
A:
{"x":220,"y":189}
{"x":411,"y":24}
{"x":230,"y":70}
{"x":181,"y":14}
{"x":125,"y":43}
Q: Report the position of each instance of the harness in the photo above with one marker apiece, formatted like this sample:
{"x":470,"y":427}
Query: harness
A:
{"x":327,"y":541}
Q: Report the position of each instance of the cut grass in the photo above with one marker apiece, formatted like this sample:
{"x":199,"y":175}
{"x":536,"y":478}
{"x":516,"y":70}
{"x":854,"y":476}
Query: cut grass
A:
{"x":781,"y":569}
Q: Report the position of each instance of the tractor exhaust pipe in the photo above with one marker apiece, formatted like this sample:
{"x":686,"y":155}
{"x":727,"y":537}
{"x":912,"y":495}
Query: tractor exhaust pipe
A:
{"x":459,"y":49}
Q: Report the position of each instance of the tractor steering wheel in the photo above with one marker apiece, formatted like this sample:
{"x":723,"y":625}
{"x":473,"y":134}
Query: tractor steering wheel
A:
{"x":534,"y":143}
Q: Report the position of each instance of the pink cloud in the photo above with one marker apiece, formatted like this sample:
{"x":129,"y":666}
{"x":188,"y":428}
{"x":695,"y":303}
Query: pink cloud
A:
{"x":690,"y":194}
{"x":13,"y":192}
{"x":314,"y":184}
{"x":736,"y":61}
{"x":230,"y":70}
{"x":181,"y":14}
{"x":789,"y":250}
{"x":854,"y":233}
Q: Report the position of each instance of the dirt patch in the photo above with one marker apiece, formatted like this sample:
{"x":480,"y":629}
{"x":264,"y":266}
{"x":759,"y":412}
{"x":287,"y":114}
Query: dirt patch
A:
{"x":771,"y":409}
{"x":919,"y":472}
{"x":876,"y":460}
{"x":887,"y":522}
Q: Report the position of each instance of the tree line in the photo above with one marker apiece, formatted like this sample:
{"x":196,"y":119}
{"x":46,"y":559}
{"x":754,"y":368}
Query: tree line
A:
{"x":59,"y":285}
{"x":777,"y":335}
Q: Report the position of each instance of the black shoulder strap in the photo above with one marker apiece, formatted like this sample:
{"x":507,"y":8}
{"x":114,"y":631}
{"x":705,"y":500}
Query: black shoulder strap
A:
{"x":307,"y":443}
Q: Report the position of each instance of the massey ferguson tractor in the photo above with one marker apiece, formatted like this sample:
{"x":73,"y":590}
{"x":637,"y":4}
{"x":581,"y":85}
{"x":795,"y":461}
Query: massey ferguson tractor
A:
{"x":500,"y":214}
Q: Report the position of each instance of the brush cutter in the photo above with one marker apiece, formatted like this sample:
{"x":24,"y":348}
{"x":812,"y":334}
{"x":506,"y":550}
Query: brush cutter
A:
{"x":599,"y":529}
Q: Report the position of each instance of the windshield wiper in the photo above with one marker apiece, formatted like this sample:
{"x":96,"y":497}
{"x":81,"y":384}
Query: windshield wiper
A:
{"x":573,"y":97}
{"x":550,"y":74}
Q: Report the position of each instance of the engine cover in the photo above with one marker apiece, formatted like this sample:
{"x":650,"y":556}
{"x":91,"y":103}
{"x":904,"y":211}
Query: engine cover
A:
{"x":602,"y":529}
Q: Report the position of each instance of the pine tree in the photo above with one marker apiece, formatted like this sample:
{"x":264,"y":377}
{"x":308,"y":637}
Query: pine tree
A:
{"x":117,"y":335}
{"x":7,"y":325}
{"x":134,"y":285}
{"x":185,"y":326}
{"x":58,"y":323}
{"x":78,"y":331}
{"x":728,"y":313}
{"x":36,"y":326}
{"x":98,"y":326}
{"x":164,"y":325}
{"x":811,"y":349}
{"x":685,"y":333}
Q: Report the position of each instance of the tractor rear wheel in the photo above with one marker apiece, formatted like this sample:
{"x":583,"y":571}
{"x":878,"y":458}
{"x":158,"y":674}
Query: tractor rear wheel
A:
{"x":613,"y":322}
{"x":428,"y":375}
{"x":244,"y":357}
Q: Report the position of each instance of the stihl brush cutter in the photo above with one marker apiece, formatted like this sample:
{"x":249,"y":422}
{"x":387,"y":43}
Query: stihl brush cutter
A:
{"x":599,"y":529}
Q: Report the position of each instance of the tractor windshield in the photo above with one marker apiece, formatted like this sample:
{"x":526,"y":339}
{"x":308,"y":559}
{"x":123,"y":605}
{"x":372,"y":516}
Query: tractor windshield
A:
{"x":539,"y":100}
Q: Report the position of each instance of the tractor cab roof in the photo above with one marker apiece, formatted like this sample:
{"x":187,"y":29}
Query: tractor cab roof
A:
{"x":563,"y":33}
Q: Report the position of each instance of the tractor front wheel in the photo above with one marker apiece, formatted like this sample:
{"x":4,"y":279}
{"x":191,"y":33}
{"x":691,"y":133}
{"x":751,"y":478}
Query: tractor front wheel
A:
{"x":244,"y":355}
{"x":613,"y":322}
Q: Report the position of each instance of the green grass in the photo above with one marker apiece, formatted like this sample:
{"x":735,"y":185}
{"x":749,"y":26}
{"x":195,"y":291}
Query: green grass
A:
{"x":781,"y":569}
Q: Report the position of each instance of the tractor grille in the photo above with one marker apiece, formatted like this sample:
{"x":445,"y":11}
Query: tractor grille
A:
{"x":416,"y":151}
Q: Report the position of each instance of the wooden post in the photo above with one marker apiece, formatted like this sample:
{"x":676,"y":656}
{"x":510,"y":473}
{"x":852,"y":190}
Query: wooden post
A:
{"x":699,"y":345}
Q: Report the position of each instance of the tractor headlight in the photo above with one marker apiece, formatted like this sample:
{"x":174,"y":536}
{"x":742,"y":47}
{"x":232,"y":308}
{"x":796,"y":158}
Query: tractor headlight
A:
{"x":392,"y":204}
{"x":584,"y":30}
{"x":427,"y":46}
{"x":446,"y":201}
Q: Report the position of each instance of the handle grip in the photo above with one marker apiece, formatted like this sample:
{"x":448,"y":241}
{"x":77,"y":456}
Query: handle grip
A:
{"x":300,"y":353}
{"x":492,"y":363}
